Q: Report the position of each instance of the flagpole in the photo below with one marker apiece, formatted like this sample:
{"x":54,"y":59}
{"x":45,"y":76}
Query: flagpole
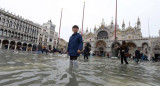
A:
{"x":60,"y":27}
{"x":116,"y":21}
{"x":115,"y":40}
{"x":148,"y":28}
{"x":83,"y":18}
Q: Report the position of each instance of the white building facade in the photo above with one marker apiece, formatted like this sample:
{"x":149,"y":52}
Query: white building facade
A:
{"x":102,"y":39}
{"x":48,"y":37}
{"x":22,"y":34}
{"x":16,"y":32}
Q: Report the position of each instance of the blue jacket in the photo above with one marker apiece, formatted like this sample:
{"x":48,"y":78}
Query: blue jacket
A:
{"x":75,"y":43}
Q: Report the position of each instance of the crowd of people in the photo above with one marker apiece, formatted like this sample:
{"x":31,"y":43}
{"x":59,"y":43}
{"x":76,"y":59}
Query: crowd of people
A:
{"x":122,"y":52}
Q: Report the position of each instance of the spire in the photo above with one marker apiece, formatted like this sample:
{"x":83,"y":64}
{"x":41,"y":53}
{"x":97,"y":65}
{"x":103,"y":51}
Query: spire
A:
{"x":138,"y":21}
{"x":123,"y":25}
{"x":103,"y":23}
{"x":112,"y":22}
{"x":90,"y":30}
{"x":95,"y":28}
{"x":50,"y":21}
{"x":87,"y":30}
{"x":129,"y":24}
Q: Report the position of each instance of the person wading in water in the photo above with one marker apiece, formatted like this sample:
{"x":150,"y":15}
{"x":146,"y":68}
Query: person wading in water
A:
{"x":124,"y":52}
{"x":86,"y":51}
{"x":75,"y":46}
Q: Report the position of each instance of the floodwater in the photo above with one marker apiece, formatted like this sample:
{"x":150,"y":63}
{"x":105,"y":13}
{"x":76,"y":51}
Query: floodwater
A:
{"x":31,"y":69}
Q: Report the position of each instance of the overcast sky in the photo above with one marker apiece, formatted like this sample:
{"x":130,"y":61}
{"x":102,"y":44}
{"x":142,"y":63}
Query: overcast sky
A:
{"x":40,"y":11}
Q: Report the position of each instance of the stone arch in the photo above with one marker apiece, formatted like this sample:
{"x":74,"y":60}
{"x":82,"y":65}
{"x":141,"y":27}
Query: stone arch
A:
{"x":5,"y":44}
{"x":34,"y":48}
{"x":100,"y":42}
{"x":24,"y":46}
{"x":19,"y":44}
{"x":114,"y":48}
{"x":102,"y":34}
{"x":12,"y":45}
{"x":50,"y":47}
{"x":145,"y":47}
{"x":100,"y":48}
{"x":113,"y":44}
{"x":132,"y":47}
{"x":29,"y":47}
{"x":144,"y":43}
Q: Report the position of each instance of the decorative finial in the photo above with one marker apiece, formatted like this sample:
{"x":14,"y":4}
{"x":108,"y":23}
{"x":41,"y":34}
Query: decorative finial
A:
{"x":103,"y":23}
{"x":87,"y":30}
{"x":123,"y":25}
{"x":129,"y":24}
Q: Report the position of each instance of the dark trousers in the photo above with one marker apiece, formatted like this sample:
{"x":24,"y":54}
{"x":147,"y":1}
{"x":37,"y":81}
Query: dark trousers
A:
{"x":123,"y":57}
{"x":85,"y":56}
{"x":73,"y":57}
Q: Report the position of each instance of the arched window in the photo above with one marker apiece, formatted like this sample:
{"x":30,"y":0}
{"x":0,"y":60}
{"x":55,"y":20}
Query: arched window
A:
{"x":3,"y":20}
{"x":102,"y":34}
{"x":10,"y":24}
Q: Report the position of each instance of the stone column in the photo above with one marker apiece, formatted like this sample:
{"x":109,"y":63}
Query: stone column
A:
{"x":22,"y":46}
{"x":27,"y":47}
{"x":1,"y":44}
{"x":15,"y":45}
{"x":8,"y":44}
{"x":31,"y":47}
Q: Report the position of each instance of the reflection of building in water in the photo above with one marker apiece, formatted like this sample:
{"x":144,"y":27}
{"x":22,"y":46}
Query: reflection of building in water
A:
{"x":102,"y":38}
{"x":19,"y":33}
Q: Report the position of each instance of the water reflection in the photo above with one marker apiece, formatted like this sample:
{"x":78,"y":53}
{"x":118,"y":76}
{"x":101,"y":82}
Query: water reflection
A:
{"x":32,"y":69}
{"x":73,"y":78}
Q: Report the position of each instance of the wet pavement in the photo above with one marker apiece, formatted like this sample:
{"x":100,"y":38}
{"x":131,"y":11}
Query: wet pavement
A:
{"x":31,"y":69}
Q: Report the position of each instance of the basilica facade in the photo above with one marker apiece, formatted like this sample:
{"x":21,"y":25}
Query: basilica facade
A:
{"x":102,"y":39}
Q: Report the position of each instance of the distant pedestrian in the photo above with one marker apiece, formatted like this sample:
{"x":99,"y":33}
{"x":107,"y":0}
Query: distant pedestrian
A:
{"x":124,"y":51}
{"x":86,"y":51}
{"x":137,"y":55}
{"x":75,"y":46}
{"x":108,"y":54}
{"x":46,"y":50}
